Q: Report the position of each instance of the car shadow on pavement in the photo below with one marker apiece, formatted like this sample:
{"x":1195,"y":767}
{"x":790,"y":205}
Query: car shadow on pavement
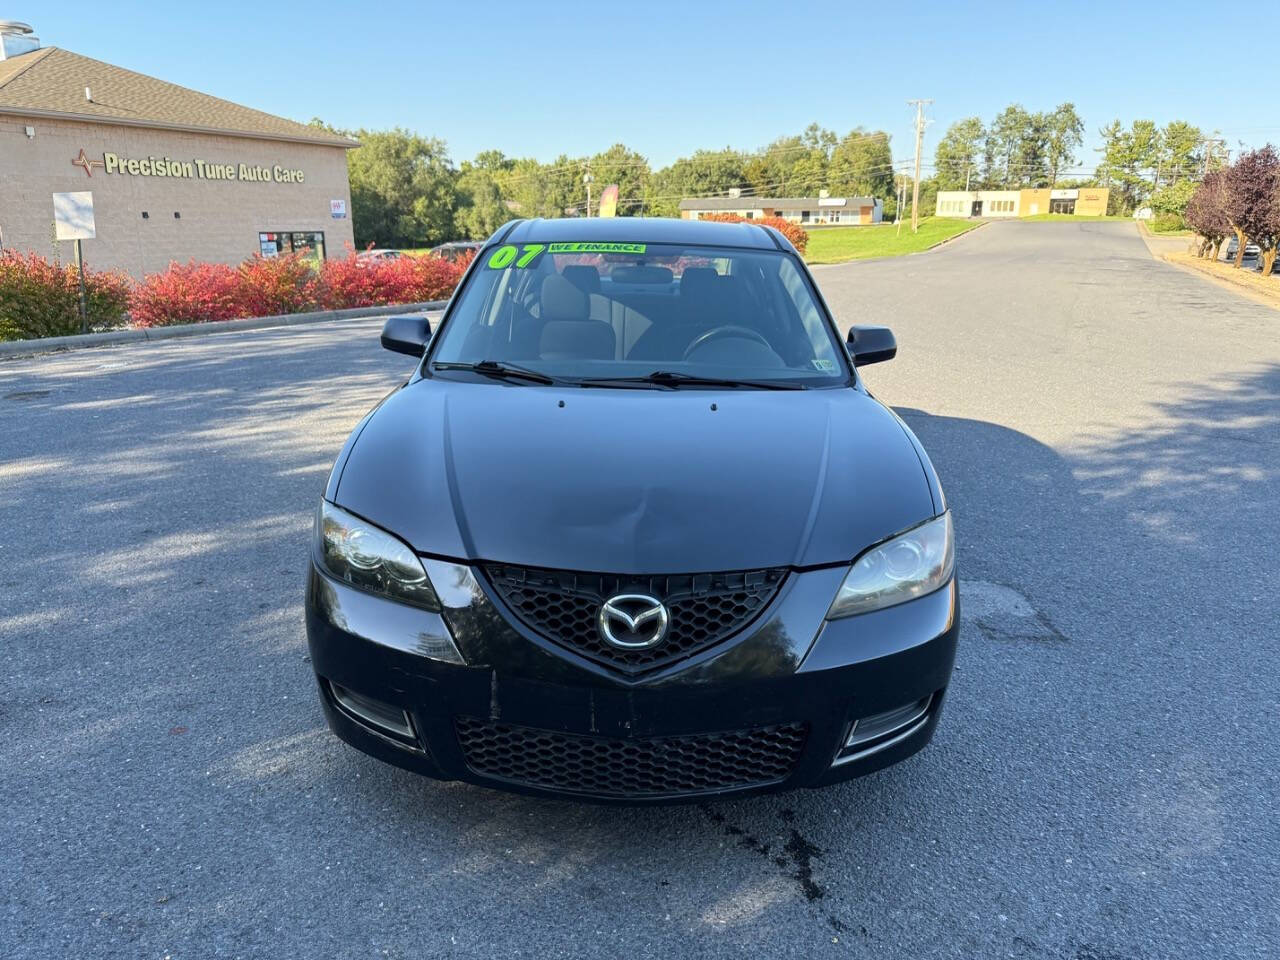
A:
{"x":163,"y":731}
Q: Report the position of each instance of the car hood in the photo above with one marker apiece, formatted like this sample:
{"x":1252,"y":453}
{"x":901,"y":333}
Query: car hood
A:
{"x":634,"y":481}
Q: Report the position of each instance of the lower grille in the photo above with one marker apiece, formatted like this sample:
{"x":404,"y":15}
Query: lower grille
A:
{"x":643,"y":767}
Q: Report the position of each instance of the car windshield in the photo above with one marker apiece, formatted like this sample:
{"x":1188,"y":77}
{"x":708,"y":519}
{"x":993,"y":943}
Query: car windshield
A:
{"x":621,"y":312}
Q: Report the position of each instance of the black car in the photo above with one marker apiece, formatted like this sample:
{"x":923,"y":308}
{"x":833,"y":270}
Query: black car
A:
{"x":634,"y":529}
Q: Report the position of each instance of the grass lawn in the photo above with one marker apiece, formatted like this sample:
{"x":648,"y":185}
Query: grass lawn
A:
{"x":837,"y":244}
{"x":1070,"y":218}
{"x":1180,"y":232}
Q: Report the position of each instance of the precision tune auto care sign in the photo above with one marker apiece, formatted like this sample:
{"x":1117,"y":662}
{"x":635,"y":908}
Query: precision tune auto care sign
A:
{"x":112,"y":163}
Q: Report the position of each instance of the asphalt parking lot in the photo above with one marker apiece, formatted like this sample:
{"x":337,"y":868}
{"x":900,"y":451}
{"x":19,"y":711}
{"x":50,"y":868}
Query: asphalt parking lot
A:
{"x":1103,"y":785}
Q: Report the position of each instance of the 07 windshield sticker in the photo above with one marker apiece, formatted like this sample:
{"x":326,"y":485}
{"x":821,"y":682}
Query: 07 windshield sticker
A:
{"x":504,"y":257}
{"x":510,"y":255}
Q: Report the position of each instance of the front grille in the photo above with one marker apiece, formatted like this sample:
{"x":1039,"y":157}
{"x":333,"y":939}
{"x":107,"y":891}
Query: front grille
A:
{"x":647,"y":767}
{"x":561,"y":606}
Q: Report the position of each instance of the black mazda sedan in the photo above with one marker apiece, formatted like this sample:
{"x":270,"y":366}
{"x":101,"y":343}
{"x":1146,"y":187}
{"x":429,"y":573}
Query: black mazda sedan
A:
{"x":634,"y":530}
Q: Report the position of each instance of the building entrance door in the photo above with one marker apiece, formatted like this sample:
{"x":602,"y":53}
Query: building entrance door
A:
{"x":977,"y":209}
{"x":1062,"y":206}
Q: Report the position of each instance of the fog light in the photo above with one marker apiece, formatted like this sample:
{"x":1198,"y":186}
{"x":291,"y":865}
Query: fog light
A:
{"x":881,"y":725}
{"x":374,"y":713}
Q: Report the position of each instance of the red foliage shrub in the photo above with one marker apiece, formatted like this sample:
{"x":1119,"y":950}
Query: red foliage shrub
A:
{"x":793,"y":232}
{"x":417,"y":279}
{"x":352,"y":283}
{"x":41,"y":298}
{"x":187,"y":293}
{"x":275,"y":285}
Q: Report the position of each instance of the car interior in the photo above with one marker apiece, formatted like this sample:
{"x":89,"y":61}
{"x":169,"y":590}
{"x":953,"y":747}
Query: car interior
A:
{"x":646,"y":312}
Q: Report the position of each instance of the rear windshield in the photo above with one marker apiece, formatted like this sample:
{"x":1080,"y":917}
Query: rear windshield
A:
{"x":625,"y":310}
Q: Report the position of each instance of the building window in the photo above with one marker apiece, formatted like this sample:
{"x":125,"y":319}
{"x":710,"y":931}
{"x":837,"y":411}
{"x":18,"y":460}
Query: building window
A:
{"x":804,"y":216}
{"x":308,"y":244}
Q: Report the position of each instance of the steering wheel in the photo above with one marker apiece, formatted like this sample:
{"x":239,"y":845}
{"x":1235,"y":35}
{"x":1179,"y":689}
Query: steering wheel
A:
{"x":726,"y":332}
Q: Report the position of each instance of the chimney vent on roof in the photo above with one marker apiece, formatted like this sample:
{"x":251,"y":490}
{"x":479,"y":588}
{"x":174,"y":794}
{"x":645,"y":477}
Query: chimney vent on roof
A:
{"x":88,"y":94}
{"x":735,"y":193}
{"x":16,"y":39}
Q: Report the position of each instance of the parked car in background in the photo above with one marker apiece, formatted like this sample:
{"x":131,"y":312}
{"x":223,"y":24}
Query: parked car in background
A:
{"x":1251,"y":250}
{"x":377,"y":255}
{"x":455,"y":249}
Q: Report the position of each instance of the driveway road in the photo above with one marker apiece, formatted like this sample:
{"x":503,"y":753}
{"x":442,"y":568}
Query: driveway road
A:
{"x":1103,"y":784}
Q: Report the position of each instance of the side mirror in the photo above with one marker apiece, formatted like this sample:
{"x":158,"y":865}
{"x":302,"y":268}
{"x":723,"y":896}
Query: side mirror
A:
{"x":871,"y":345}
{"x":407,"y":335}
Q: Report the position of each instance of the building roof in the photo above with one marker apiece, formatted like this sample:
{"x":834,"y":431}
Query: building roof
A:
{"x":639,"y":230}
{"x":776,"y":203}
{"x":51,"y":82}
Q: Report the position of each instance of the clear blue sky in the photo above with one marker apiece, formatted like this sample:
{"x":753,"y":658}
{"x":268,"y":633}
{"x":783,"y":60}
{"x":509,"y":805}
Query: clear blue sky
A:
{"x":666,"y":78}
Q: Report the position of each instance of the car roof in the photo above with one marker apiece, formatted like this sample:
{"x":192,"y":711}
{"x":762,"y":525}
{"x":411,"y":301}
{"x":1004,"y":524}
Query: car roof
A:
{"x":639,"y":230}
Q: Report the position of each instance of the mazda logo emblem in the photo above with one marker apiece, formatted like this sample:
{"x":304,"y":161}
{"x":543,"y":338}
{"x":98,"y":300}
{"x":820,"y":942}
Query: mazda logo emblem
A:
{"x":633,"y":621}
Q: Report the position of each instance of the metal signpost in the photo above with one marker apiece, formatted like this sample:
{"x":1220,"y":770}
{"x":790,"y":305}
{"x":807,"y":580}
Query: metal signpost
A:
{"x":73,"y":220}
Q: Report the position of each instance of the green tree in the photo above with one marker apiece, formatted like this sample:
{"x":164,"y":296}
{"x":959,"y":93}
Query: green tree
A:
{"x":1129,"y":158}
{"x":481,"y":207}
{"x":769,"y":172}
{"x":534,"y":189}
{"x":1033,"y":166}
{"x":1005,"y":138}
{"x":1173,"y":198}
{"x":792,"y":166}
{"x":1064,"y":132}
{"x":625,"y":167}
{"x":809,"y":170}
{"x":861,"y":165}
{"x":707,"y":173}
{"x":1180,"y":156}
{"x":402,"y":189}
{"x":958,"y":156}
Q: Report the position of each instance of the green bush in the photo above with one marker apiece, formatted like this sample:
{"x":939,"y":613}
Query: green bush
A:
{"x":1166,"y":223}
{"x":39,"y":298}
{"x":1173,"y":198}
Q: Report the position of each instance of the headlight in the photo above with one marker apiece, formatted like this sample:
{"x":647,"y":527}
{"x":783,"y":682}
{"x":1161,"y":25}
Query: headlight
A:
{"x":908,"y":566}
{"x":368,"y":557}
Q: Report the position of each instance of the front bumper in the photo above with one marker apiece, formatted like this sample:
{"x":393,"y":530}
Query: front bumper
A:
{"x":788,"y":671}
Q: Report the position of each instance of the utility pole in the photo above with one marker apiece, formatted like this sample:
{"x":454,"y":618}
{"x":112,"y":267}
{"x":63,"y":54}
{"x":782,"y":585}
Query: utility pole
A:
{"x":915,"y":188}
{"x":1209,"y":151}
{"x":586,"y":178}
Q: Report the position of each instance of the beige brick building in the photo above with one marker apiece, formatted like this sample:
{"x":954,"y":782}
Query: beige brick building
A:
{"x":175,"y":174}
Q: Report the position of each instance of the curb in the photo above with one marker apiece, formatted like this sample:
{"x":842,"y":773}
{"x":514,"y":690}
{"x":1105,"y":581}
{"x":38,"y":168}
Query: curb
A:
{"x":27,"y":348}
{"x":1234,"y":283}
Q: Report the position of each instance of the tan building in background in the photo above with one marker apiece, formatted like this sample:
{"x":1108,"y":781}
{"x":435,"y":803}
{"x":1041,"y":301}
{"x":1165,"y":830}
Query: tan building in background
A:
{"x":1092,"y":202}
{"x":175,"y":174}
{"x":1034,"y":202}
{"x":1082,"y":202}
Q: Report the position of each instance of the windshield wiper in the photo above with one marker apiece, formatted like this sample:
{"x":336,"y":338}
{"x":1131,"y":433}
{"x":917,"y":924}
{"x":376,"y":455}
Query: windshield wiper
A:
{"x":498,"y":369}
{"x":673,"y":378}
